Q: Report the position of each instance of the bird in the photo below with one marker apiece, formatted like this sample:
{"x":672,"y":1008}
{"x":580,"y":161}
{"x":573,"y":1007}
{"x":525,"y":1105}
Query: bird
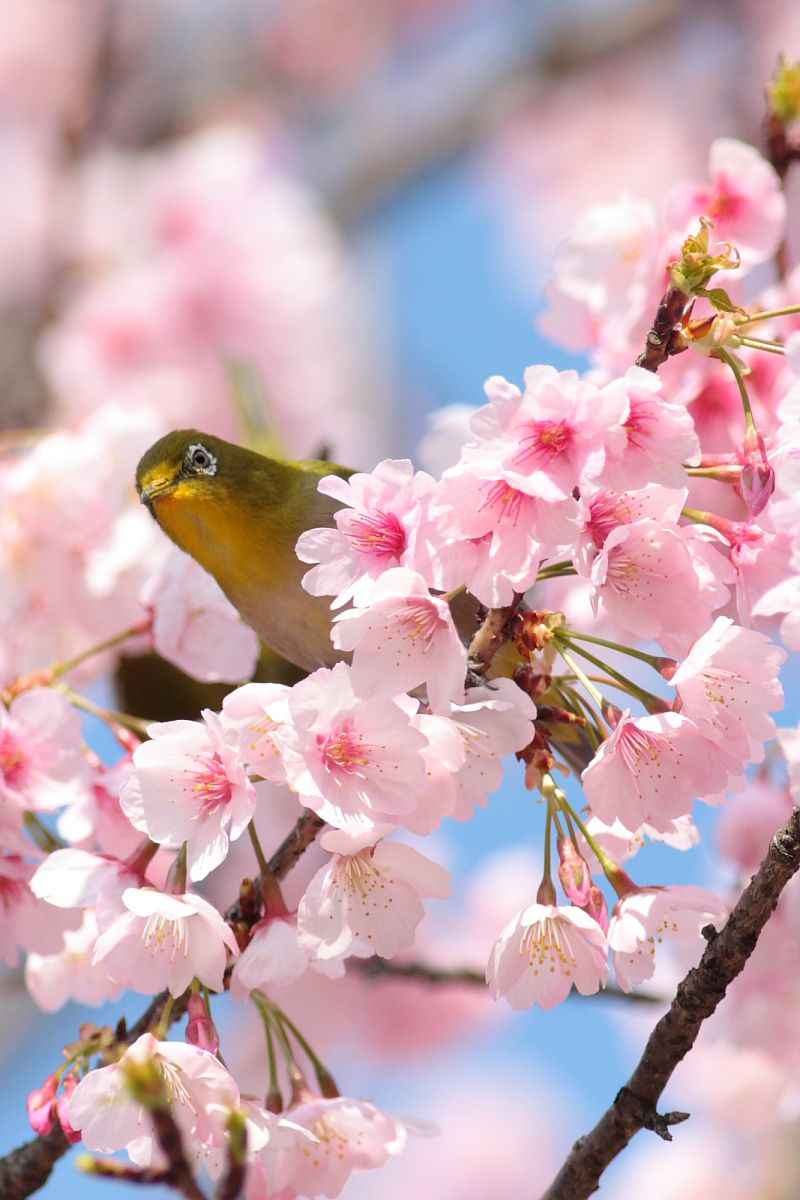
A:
{"x":239,"y":514}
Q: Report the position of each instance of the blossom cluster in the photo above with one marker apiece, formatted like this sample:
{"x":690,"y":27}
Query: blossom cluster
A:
{"x":576,"y":531}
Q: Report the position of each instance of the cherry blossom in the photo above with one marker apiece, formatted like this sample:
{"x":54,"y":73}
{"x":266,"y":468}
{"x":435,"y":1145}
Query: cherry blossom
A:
{"x":354,"y":762}
{"x":651,"y":769}
{"x":273,"y":957}
{"x":493,"y":722}
{"x":41,"y":766}
{"x":661,"y":437}
{"x":352,"y":1135}
{"x":552,"y":436}
{"x":195,"y":626}
{"x":645,"y":917}
{"x":369,"y":902}
{"x":406,"y":637}
{"x":543,"y":952}
{"x":728,"y":684}
{"x":157,"y":941}
{"x":190,"y":784}
{"x":645,"y":580}
{"x":255,"y":712}
{"x":743,"y":199}
{"x":70,"y":973}
{"x":25,"y":920}
{"x":201,"y":1092}
{"x":375,"y":531}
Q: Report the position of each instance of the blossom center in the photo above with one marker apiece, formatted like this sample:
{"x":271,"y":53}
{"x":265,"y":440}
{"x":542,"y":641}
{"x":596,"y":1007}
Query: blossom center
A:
{"x":13,"y":760}
{"x":378,"y":535}
{"x":545,"y":948}
{"x":343,"y":752}
{"x":546,"y":441}
{"x":505,"y":500}
{"x":212,"y":788}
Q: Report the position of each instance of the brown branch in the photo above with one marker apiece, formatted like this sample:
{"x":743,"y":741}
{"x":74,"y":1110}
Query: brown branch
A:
{"x":26,"y":1169}
{"x":492,"y":636}
{"x":660,"y":342}
{"x":377,"y":968}
{"x":696,"y":999}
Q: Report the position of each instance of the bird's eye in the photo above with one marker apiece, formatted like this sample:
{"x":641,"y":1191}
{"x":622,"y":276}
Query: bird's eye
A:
{"x":200,"y":460}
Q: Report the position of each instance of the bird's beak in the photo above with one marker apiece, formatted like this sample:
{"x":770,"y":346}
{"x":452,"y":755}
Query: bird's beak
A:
{"x":153,"y":491}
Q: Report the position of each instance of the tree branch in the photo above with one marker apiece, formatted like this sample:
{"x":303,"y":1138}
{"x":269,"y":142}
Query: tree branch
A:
{"x":696,"y":999}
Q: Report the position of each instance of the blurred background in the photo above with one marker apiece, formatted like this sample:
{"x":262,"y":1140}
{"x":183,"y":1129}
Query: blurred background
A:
{"x":310,"y":225}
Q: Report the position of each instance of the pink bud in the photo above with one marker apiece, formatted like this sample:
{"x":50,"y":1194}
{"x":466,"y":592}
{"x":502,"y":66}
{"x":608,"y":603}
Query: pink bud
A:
{"x":62,"y":1106}
{"x":41,"y":1105}
{"x":757,"y":480}
{"x":573,"y":873}
{"x":200,"y":1029}
{"x":596,"y":907}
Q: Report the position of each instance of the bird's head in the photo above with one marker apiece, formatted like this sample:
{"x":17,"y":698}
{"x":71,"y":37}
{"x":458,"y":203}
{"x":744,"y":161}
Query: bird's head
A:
{"x":183,"y":465}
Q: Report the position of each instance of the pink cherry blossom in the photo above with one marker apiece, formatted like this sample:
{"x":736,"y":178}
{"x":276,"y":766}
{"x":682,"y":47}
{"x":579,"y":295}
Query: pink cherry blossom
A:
{"x":95,"y":819}
{"x":190,"y":785}
{"x":195,"y":626}
{"x":369,"y":902}
{"x":651,"y":769}
{"x":660,"y":437}
{"x":272,"y":958}
{"x":493,"y":722}
{"x":601,"y":511}
{"x":255,"y":713}
{"x":728,"y":684}
{"x":489,"y":536}
{"x":25,"y":920}
{"x":644,"y":918}
{"x":645,"y":580}
{"x":744,"y":199}
{"x":374,"y":532}
{"x":70,"y":973}
{"x":406,"y":637}
{"x":543,"y":952}
{"x":202,"y":1095}
{"x":443,"y":756}
{"x":41,"y":765}
{"x":605,"y":277}
{"x":352,"y":1135}
{"x":73,"y":878}
{"x":158,"y":941}
{"x":549,"y":439}
{"x":353,"y":761}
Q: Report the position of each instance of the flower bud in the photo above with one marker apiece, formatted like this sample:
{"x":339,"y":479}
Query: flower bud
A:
{"x":596,"y":907}
{"x":200,"y":1028}
{"x":757,"y":480}
{"x":573,"y":873}
{"x":41,"y":1106}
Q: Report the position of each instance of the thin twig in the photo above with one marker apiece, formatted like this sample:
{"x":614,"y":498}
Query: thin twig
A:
{"x":696,"y":999}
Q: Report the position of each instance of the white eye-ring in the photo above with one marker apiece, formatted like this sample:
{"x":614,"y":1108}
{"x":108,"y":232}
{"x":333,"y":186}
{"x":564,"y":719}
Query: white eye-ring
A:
{"x":200,"y":460}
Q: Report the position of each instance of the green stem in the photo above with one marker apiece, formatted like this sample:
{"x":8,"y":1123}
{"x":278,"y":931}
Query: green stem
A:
{"x":162,"y":1029}
{"x":737,"y":374}
{"x":557,"y":571}
{"x":652,"y":660}
{"x":610,"y":869}
{"x":596,"y":695}
{"x":623,"y":682}
{"x":261,"y":859}
{"x":41,"y":835}
{"x":768,"y":314}
{"x":109,"y":644}
{"x":108,"y":715}
{"x":761,"y":344}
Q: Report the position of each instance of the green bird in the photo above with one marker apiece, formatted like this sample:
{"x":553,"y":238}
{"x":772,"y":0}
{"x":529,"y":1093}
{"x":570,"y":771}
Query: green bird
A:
{"x":239,"y":514}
